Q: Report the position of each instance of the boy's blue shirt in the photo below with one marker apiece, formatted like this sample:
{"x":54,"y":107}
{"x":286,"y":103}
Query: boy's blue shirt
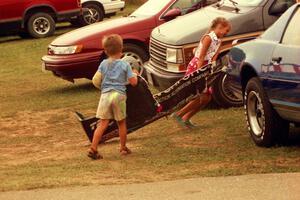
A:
{"x":115,"y":75}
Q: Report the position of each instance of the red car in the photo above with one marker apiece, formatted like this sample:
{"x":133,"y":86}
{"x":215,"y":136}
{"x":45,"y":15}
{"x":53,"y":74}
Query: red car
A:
{"x":36,"y":18}
{"x":77,"y":54}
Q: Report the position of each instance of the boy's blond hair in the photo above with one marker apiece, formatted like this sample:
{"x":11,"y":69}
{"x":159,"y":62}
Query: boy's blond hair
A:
{"x":112,"y":44}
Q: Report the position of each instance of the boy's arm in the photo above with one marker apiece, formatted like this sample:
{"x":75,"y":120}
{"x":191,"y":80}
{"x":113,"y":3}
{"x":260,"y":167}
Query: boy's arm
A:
{"x":133,"y":81}
{"x":97,"y":79}
{"x":132,"y":77}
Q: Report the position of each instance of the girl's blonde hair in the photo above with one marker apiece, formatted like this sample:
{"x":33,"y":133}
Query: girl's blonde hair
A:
{"x":220,"y":20}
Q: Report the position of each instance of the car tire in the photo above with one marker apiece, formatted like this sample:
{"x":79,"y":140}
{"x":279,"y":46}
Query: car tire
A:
{"x":93,"y":15}
{"x":136,"y":56}
{"x":40,"y":25}
{"x":223,"y":96}
{"x":23,"y":34}
{"x":264,"y":124}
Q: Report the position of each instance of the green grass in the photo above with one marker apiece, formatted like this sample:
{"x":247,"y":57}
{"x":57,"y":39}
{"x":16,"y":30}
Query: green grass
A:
{"x":55,"y":154}
{"x":43,"y":146}
{"x":25,"y":87}
{"x":22,"y":81}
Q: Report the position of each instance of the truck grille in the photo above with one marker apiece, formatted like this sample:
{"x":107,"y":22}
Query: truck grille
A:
{"x":158,"y":54}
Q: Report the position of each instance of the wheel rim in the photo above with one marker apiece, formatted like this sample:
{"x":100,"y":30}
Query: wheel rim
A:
{"x":91,"y":16}
{"x":134,"y":60}
{"x":41,"y":25}
{"x":229,"y":90}
{"x":256,"y":114}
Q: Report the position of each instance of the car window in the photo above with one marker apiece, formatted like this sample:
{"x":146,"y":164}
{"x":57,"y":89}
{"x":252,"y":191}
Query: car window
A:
{"x":182,"y":4}
{"x":186,"y":5}
{"x":280,"y":4}
{"x":289,"y":2}
{"x":244,"y":2}
{"x":292,"y":33}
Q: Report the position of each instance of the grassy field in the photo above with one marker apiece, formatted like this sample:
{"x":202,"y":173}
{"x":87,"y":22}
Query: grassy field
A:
{"x":42,"y":145}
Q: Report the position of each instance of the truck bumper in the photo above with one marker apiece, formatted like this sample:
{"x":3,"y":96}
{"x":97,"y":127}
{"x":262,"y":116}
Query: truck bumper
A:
{"x":161,"y":79}
{"x":70,"y":67}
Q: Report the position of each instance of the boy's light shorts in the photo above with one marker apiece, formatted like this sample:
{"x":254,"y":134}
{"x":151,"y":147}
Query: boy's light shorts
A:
{"x":112,"y":105}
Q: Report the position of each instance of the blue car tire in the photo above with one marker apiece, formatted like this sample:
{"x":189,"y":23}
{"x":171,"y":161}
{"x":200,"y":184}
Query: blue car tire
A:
{"x":264,"y":124}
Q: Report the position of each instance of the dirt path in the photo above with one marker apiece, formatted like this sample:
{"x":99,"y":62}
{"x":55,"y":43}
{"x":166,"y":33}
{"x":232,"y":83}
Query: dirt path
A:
{"x":267,"y":186}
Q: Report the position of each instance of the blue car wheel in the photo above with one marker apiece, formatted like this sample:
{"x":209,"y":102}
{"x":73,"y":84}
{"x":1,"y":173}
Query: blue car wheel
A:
{"x":264,"y":124}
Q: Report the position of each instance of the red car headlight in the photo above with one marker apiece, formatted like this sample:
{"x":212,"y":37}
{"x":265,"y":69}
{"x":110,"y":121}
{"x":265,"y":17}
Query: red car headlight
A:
{"x":64,"y":50}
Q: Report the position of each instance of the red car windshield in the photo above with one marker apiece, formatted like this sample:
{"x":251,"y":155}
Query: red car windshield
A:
{"x":150,"y":8}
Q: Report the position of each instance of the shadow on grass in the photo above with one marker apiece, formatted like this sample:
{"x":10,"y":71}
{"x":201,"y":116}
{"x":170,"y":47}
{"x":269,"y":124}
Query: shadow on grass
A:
{"x":294,"y":137}
{"x":14,"y":37}
{"x":72,"y":89}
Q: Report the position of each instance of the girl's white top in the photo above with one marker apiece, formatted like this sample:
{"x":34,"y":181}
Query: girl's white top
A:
{"x":212,"y":49}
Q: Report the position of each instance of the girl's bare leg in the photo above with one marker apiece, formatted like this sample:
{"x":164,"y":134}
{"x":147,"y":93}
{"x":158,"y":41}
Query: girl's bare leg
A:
{"x":122,"y":133}
{"x":204,"y":100}
{"x":190,"y":114}
{"x":192,"y":105}
{"x":103,"y":124}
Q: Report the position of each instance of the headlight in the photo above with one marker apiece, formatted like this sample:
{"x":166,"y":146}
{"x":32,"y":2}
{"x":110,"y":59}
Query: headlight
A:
{"x":174,"y":55}
{"x":64,"y":50}
{"x":173,"y":67}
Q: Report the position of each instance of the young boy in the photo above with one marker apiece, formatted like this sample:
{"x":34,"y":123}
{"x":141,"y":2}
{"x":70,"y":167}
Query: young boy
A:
{"x":111,"y":78}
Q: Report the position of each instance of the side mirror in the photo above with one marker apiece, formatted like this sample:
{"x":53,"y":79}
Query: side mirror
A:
{"x":278,"y":8}
{"x":172,"y":14}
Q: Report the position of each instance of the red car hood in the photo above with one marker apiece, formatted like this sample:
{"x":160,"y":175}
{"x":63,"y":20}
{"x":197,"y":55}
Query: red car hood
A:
{"x":98,"y":30}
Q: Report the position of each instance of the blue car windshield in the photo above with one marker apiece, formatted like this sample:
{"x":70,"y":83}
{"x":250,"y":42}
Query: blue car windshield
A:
{"x":150,"y":8}
{"x":245,"y":2}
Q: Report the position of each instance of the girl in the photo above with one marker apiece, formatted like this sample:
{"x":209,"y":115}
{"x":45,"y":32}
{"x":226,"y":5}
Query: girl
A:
{"x":206,"y":52}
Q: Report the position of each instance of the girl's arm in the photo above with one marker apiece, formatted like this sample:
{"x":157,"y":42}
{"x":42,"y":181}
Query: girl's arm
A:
{"x":206,"y":41}
{"x":217,"y":54}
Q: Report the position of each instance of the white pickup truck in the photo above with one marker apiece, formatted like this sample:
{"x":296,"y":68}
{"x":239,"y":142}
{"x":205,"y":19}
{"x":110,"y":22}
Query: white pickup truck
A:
{"x":96,"y":10}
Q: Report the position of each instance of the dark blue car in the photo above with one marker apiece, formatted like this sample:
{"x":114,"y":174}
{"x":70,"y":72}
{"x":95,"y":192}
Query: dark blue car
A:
{"x":267,"y":71}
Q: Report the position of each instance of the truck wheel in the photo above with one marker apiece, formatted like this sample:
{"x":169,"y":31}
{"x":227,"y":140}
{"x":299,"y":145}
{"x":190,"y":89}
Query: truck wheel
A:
{"x":92,"y":14}
{"x":225,"y":94}
{"x":135,"y":56}
{"x":264,"y":124}
{"x":23,"y":34}
{"x":41,"y":25}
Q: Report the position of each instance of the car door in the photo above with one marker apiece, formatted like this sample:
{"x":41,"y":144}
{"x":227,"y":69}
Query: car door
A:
{"x":284,"y":73}
{"x":11,"y":13}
